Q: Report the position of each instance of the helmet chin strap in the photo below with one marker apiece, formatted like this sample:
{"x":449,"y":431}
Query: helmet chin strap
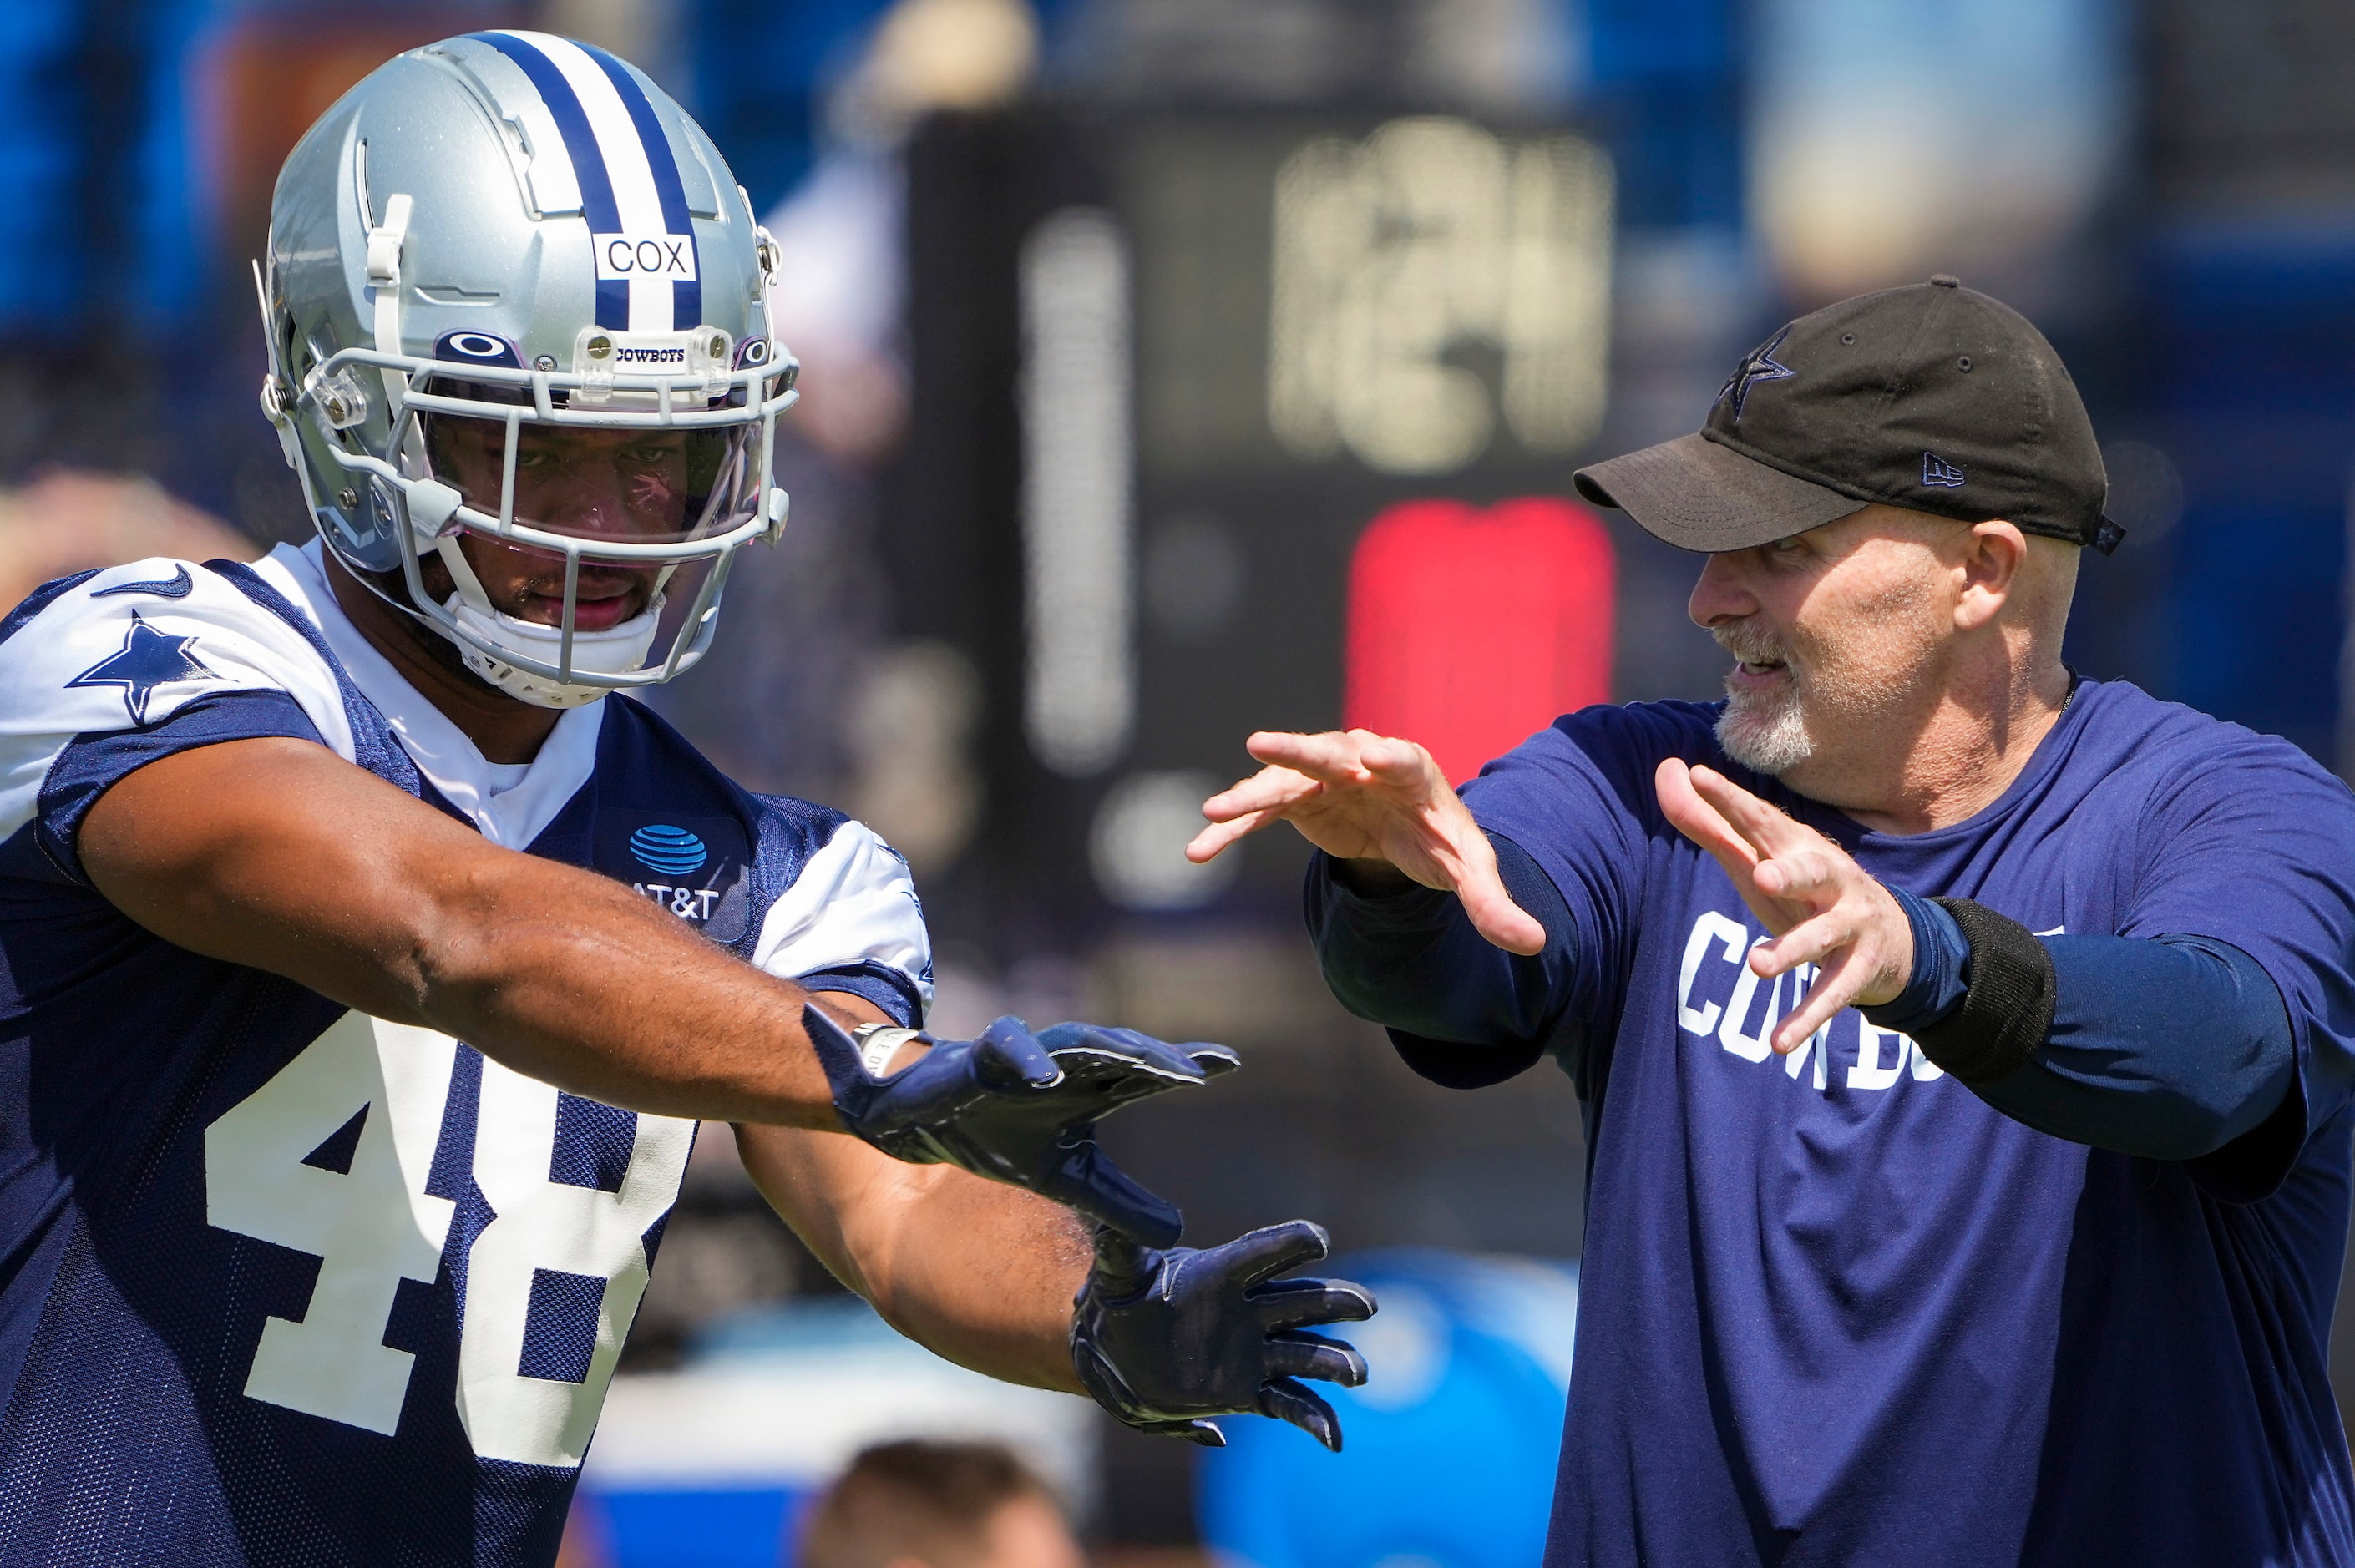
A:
{"x":616,"y":650}
{"x":462,"y":573}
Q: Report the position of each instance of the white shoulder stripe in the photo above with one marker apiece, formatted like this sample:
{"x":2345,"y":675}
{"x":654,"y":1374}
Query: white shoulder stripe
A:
{"x":854,"y":903}
{"x":628,"y":166}
{"x":52,"y":690}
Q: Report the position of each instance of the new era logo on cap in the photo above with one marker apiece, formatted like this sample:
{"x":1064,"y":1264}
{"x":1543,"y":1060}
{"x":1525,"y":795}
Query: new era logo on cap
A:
{"x":1936,"y":471}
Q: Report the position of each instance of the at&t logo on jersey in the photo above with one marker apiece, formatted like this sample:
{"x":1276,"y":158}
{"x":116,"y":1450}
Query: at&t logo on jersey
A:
{"x":660,"y":847}
{"x":676,"y":853}
{"x":694,"y":867}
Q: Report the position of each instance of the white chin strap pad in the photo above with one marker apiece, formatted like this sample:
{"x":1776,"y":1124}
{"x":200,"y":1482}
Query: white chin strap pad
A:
{"x":619,"y":649}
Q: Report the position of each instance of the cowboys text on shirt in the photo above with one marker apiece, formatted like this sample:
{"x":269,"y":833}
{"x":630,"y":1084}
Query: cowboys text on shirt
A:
{"x":1721,"y":1000}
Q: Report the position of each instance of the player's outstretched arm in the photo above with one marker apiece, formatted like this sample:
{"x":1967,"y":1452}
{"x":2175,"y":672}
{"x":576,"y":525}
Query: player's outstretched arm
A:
{"x":278,"y":854}
{"x":1376,"y":801}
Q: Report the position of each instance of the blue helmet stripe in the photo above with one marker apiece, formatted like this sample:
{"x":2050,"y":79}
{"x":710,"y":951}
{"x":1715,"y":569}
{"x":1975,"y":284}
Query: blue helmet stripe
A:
{"x":597,"y":203}
{"x":686,"y":295}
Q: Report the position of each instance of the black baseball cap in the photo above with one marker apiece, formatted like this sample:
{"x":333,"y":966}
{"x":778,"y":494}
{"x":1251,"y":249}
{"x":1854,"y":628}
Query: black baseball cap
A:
{"x":1932,"y":397}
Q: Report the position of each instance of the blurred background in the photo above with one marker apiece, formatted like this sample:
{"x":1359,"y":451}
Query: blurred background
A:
{"x":1176,"y":368}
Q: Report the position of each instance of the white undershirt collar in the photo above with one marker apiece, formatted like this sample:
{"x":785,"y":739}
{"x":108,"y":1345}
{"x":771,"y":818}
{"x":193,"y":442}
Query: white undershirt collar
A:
{"x":511,"y":804}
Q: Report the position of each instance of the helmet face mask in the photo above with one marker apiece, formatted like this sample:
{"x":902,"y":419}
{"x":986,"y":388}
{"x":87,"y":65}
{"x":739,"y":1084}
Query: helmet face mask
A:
{"x":452,"y":360}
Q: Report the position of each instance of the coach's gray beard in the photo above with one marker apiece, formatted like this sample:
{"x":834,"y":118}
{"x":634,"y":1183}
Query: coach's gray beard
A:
{"x":1765,"y":735}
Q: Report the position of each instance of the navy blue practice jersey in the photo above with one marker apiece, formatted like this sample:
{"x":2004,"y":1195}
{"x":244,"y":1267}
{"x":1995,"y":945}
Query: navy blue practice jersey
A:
{"x":280,"y":1283}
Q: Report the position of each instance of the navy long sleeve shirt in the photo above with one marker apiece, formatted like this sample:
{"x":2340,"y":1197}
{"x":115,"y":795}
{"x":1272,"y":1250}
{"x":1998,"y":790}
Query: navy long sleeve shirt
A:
{"x":2168,"y":1047}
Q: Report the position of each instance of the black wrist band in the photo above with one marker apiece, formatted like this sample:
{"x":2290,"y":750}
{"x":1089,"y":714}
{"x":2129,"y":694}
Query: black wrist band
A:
{"x":2007,"y":998}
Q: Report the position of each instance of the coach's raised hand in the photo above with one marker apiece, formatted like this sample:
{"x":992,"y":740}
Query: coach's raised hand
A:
{"x":1019,"y":1108}
{"x":1359,"y":796}
{"x":1823,"y":909}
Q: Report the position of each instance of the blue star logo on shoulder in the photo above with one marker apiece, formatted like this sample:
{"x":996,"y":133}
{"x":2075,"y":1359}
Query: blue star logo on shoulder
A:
{"x":147,"y":659}
{"x":1760,"y":366}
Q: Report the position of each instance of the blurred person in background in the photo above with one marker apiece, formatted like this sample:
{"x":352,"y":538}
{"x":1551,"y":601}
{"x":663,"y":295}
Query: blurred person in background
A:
{"x":371,"y":954}
{"x":838,"y":292}
{"x":933,"y":1504}
{"x":1965,"y":1045}
{"x":809,"y":641}
{"x":72,"y":520}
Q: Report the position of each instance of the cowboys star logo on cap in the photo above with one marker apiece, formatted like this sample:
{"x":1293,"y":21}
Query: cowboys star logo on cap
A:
{"x":1760,"y":366}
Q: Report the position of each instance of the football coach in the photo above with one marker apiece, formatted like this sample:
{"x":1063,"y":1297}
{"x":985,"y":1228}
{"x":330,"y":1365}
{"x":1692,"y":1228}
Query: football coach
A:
{"x":1964,"y":1043}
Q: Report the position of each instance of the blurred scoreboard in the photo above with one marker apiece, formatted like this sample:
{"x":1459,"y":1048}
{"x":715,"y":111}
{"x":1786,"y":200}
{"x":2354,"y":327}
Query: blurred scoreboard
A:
{"x":1230,"y":421}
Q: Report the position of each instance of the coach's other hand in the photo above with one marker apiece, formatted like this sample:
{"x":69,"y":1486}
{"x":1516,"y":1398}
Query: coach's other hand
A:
{"x":1166,"y":1339}
{"x":1824,"y":912}
{"x":1018,"y":1108}
{"x":1361,"y":796}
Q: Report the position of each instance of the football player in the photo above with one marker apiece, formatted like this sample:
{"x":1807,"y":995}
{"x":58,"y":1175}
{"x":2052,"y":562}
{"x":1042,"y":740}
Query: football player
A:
{"x":368,"y":962}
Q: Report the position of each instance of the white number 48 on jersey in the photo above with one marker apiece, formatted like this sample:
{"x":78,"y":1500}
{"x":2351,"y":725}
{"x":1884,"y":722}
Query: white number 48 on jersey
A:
{"x":375,"y":1225}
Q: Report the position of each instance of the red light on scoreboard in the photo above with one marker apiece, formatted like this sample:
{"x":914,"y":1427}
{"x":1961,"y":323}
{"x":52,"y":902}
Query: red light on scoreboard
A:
{"x":1470,"y":629}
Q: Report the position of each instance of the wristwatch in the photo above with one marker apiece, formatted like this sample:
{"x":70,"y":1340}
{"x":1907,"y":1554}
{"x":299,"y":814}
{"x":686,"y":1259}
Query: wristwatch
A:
{"x":879,"y":1043}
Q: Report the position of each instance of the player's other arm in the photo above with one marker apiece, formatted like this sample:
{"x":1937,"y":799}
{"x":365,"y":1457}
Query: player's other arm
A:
{"x":978,"y":1273}
{"x":1011,"y":1285}
{"x":276,"y":853}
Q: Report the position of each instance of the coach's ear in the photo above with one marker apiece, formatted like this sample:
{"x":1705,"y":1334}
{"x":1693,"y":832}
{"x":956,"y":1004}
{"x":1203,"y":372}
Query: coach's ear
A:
{"x":1993,"y":556}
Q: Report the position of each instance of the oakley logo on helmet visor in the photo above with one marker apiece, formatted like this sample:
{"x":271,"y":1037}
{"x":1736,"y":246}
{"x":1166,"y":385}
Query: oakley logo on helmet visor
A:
{"x":477,"y":347}
{"x":620,"y":256}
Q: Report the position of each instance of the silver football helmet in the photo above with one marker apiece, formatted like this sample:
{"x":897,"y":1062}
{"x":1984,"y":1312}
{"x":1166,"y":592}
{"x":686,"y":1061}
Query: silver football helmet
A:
{"x":514,"y":291}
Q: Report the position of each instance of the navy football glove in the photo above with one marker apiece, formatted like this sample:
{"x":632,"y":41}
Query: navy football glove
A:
{"x":1164,"y":1339}
{"x":1020,"y":1108}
